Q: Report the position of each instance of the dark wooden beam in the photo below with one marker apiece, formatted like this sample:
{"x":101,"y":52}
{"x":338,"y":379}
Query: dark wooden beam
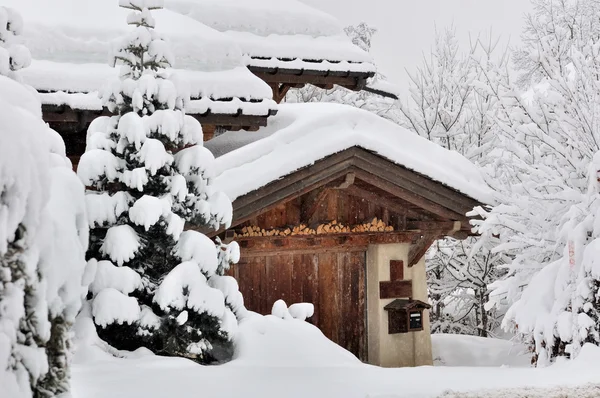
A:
{"x":67,"y":115}
{"x":395,"y":206}
{"x":312,"y":202}
{"x":414,"y":197}
{"x":270,"y":245}
{"x":418,"y":250}
{"x":395,"y":289}
{"x":352,"y":82}
{"x":432,"y":190}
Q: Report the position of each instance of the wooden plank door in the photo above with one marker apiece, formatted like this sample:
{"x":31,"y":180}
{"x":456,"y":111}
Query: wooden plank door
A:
{"x":335,"y":282}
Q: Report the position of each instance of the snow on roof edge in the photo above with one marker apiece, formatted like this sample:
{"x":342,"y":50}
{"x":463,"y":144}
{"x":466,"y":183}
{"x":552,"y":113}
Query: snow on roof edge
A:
{"x":302,"y":134}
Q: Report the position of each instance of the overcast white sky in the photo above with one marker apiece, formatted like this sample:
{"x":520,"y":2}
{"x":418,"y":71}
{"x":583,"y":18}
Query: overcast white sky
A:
{"x":406,"y":27}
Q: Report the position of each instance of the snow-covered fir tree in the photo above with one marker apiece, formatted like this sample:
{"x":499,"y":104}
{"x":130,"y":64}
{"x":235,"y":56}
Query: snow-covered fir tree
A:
{"x":43,"y":235}
{"x":156,"y":285}
{"x":452,"y":103}
{"x":548,"y":130}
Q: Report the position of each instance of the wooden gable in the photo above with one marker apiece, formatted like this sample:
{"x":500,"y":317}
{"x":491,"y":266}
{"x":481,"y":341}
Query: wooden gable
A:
{"x":352,"y":189}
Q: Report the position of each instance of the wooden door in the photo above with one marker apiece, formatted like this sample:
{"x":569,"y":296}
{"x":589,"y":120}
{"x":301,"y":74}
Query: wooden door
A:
{"x":335,"y":282}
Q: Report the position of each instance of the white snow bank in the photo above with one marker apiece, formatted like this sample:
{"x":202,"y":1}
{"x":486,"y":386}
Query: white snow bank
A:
{"x":461,"y":350}
{"x":292,"y":359}
{"x":301,"y":134}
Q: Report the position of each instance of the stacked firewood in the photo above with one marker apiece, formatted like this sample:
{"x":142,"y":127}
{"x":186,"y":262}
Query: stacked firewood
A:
{"x":332,"y":227}
{"x":375,"y":225}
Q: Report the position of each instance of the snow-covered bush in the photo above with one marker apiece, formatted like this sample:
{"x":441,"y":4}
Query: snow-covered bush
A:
{"x":148,"y":175}
{"x":43,"y":236}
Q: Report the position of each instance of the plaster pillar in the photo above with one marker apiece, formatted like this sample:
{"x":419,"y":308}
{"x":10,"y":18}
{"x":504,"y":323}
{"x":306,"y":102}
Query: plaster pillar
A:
{"x":402,"y":349}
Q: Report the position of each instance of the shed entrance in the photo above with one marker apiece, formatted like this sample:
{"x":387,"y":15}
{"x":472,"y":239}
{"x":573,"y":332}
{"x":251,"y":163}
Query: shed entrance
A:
{"x":334,"y":281}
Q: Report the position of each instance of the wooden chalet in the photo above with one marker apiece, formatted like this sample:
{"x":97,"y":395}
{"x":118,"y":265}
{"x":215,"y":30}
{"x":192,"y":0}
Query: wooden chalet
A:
{"x":347,"y":232}
{"x":332,"y":205}
{"x":308,"y":238}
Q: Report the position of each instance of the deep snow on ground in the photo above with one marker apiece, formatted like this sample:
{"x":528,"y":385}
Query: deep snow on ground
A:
{"x":460,"y":350}
{"x":586,"y":391}
{"x":290,"y":358}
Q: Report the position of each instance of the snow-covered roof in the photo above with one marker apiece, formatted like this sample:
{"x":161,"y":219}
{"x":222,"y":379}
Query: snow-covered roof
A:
{"x":302,"y":134}
{"x":78,"y":85}
{"x":71,"y":40}
{"x":284,"y":34}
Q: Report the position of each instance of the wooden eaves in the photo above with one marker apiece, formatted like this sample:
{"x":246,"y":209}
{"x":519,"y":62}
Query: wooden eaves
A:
{"x":72,"y":124}
{"x":282,"y":79}
{"x":429,"y":209}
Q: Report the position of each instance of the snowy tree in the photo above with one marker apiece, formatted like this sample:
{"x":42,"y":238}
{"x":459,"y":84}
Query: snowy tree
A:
{"x":451,"y":103}
{"x":361,"y":35}
{"x":549,"y":136}
{"x":148,"y":175}
{"x":458,"y":285}
{"x":43,"y":236}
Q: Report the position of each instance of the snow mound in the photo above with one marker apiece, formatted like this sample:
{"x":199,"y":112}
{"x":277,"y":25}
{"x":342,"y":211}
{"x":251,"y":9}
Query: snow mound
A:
{"x":289,"y":142}
{"x":461,"y":350}
{"x":275,"y":342}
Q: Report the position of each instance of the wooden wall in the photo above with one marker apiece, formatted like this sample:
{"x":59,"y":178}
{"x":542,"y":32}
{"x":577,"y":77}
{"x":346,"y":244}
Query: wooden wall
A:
{"x":334,"y":205}
{"x":334,"y":281}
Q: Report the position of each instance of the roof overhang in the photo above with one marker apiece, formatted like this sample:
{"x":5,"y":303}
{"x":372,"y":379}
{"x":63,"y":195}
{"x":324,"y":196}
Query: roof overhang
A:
{"x":72,"y":123}
{"x":374,"y":178}
{"x":282,"y":79}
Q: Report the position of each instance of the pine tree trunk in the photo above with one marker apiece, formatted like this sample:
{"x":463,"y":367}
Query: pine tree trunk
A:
{"x":56,"y":380}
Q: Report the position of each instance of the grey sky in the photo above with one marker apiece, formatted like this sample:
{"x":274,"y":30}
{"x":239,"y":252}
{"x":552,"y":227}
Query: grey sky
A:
{"x":406,"y":27}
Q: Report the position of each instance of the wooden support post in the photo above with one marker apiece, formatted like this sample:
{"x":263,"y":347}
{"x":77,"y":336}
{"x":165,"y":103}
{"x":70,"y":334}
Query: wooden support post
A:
{"x":279,"y":91}
{"x":418,"y":250}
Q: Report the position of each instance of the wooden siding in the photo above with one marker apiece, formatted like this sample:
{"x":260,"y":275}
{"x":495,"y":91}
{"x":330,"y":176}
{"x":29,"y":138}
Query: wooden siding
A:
{"x":337,"y":205}
{"x":333,"y":281}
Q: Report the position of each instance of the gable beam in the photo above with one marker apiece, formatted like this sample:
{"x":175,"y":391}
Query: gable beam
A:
{"x":418,"y":250}
{"x":311,"y":204}
{"x":384,"y":202}
{"x":415,"y":182}
{"x":410,"y":196}
{"x":316,"y":198}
